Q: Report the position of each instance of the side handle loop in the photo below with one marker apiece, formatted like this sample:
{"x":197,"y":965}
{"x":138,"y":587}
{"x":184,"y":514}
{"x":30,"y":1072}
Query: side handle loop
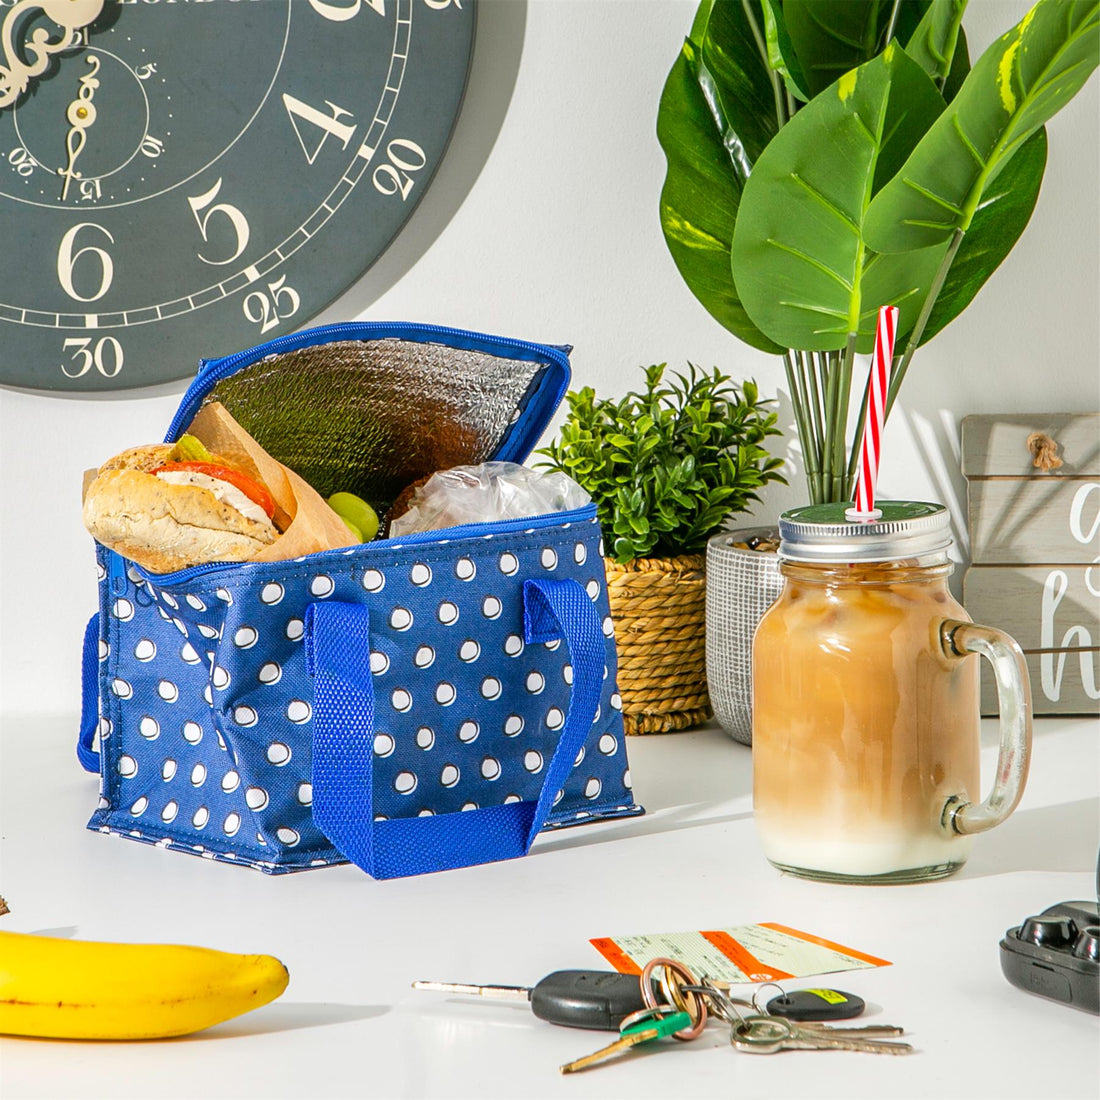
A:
{"x":89,"y":697}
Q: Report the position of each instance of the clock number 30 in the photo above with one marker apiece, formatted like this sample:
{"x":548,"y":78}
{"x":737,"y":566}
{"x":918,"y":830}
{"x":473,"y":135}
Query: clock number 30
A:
{"x":106,"y":355}
{"x":268,"y":309}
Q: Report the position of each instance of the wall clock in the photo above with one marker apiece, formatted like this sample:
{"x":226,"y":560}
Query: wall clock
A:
{"x":183,"y":179}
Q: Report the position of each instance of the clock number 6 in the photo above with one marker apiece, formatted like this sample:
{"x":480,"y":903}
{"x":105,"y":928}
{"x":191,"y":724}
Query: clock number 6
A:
{"x":405,"y":156}
{"x":85,"y":356}
{"x":67,"y":260}
{"x":236,"y":219}
{"x":264,"y":309}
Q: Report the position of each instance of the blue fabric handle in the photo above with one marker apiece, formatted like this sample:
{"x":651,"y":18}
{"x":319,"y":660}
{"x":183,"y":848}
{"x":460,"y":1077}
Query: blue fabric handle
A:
{"x":338,"y":658}
{"x":89,"y":697}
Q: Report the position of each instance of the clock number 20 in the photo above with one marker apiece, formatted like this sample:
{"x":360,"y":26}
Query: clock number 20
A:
{"x":394,"y":178}
{"x":105,"y":355}
{"x":267,"y":309}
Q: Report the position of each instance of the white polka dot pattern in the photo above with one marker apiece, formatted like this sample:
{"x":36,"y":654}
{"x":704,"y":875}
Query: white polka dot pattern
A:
{"x":208,"y":717}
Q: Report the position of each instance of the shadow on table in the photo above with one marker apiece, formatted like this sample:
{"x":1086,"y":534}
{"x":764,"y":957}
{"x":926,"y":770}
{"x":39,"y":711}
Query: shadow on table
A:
{"x":692,"y":816}
{"x":291,"y":1016}
{"x":1050,"y":838}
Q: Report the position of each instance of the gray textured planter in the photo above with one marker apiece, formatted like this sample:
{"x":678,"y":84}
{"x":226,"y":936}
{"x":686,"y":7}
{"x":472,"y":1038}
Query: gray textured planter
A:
{"x":741,"y":586}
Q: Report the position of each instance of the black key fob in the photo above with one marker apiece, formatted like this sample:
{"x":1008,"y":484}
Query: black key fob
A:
{"x":816,"y":1004}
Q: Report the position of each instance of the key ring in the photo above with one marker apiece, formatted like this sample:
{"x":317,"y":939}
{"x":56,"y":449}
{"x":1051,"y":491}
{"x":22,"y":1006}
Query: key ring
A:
{"x":691,"y":1003}
{"x":720,"y":1003}
{"x":759,"y":990}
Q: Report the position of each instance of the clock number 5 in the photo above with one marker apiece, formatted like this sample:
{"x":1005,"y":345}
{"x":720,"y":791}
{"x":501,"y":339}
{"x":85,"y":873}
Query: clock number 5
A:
{"x":394,"y":178}
{"x":67,"y":260}
{"x":267,"y":310}
{"x":236,"y":219}
{"x":85,"y":356}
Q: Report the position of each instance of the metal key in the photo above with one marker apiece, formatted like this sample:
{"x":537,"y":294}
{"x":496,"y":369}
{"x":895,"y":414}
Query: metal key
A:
{"x":769,"y":1034}
{"x":869,"y":1031}
{"x":643,"y":1031}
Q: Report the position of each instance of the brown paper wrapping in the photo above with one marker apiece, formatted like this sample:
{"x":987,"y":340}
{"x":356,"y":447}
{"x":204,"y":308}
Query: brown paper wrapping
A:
{"x":301,"y":513}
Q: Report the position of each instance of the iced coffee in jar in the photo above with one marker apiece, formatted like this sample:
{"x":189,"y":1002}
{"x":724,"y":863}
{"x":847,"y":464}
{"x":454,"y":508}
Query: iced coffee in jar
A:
{"x":866,"y":703}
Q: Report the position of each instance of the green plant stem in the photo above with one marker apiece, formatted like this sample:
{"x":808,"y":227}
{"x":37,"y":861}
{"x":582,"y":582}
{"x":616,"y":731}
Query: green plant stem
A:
{"x":809,"y":388}
{"x":805,"y":434}
{"x":831,"y":380}
{"x":839,"y":424}
{"x":897,"y":376}
{"x":778,"y":91}
{"x":892,"y":25}
{"x":821,"y":371}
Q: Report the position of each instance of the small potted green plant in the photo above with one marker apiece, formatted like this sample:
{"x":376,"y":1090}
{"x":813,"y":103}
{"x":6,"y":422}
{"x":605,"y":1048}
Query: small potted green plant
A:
{"x":667,"y":467}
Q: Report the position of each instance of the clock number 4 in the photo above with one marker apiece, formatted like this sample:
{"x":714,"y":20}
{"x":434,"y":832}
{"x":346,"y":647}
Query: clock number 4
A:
{"x":268,"y":309}
{"x":237,"y":221}
{"x":394,"y":178}
{"x":105,"y":355}
{"x":328,"y":124}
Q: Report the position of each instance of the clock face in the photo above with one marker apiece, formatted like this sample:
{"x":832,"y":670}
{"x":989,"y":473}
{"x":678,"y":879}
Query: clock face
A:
{"x":182,"y":180}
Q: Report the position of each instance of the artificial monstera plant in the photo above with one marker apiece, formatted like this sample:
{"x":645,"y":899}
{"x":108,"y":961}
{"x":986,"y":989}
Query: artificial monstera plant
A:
{"x":829,"y":157}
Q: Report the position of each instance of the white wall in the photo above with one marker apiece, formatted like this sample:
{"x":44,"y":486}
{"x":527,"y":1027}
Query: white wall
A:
{"x":550,"y":232}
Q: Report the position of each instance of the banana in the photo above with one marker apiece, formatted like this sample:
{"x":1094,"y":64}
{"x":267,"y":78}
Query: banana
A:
{"x":77,"y":989}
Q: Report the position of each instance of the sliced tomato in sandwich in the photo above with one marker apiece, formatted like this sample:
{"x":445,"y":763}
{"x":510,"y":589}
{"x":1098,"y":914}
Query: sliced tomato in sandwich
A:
{"x":251,"y":488}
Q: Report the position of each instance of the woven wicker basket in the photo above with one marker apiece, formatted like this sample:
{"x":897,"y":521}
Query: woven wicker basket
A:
{"x":659,"y":609}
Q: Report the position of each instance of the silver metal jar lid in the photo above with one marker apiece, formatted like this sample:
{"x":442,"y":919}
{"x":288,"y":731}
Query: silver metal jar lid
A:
{"x":820,"y":532}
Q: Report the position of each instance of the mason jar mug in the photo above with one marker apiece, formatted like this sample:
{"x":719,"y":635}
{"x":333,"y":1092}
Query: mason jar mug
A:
{"x":866,"y":703}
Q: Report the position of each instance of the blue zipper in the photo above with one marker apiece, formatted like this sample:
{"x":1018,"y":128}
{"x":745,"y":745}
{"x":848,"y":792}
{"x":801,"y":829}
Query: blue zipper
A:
{"x":439,"y":535}
{"x":498,"y":526}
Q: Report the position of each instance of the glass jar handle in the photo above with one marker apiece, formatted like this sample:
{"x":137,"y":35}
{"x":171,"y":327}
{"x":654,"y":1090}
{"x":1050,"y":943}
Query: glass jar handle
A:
{"x":1014,"y":704}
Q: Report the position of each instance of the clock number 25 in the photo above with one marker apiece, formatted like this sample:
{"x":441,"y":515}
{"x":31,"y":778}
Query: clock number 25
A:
{"x":268,"y":308}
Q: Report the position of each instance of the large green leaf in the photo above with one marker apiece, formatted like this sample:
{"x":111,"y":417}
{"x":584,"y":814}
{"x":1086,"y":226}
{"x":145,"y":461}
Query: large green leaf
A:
{"x":830,"y":37}
{"x":781,"y":54}
{"x":932,"y":45}
{"x":798,"y":258}
{"x":1003,"y":215}
{"x":716,"y":116}
{"x":960,"y":67}
{"x":1019,"y":83}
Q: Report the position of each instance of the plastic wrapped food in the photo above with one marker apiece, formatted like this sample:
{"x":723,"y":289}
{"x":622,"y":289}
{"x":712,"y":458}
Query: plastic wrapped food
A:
{"x":484,"y":493}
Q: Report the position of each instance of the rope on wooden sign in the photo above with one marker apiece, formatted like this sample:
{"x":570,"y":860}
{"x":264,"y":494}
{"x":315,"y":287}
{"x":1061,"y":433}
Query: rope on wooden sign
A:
{"x":1044,"y":451}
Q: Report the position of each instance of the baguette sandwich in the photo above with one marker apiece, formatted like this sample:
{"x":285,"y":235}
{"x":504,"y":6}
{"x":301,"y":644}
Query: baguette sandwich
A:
{"x":169,"y":506}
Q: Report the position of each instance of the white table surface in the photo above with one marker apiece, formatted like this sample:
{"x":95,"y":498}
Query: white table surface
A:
{"x":349,"y":1024}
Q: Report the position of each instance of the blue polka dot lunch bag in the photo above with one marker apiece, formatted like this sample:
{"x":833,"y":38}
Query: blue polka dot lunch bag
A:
{"x":411,"y":704}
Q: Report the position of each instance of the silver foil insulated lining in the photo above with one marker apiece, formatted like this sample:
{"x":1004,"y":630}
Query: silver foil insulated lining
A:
{"x":372,"y":417}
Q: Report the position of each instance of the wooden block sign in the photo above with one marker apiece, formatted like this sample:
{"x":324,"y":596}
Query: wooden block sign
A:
{"x":1062,"y":682}
{"x":1025,"y":520}
{"x":1034,"y":508}
{"x":1041,"y":606}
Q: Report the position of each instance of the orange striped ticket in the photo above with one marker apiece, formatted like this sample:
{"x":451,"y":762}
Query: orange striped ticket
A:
{"x":745,"y":953}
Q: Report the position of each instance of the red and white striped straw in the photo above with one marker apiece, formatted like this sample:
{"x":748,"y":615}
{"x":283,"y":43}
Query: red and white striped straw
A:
{"x":865,"y":510}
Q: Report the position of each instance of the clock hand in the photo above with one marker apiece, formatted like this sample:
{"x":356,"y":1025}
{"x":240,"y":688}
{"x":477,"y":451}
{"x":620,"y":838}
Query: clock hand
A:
{"x":15,"y":73}
{"x":81,"y":114}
